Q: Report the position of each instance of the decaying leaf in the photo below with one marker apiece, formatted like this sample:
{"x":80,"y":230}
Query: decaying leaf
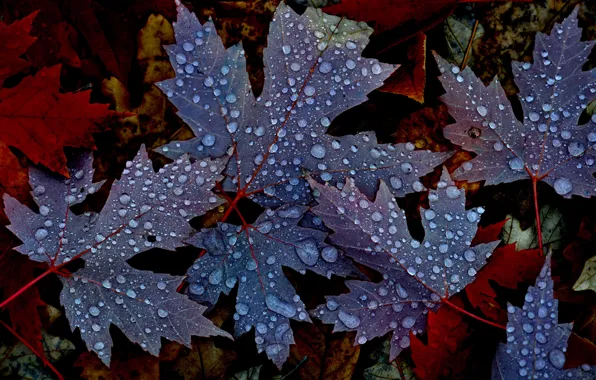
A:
{"x":587,"y":279}
{"x":553,"y":228}
{"x":398,"y":369}
{"x":19,"y":362}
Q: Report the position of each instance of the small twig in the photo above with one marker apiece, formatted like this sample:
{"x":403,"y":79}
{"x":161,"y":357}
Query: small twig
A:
{"x":469,"y":47}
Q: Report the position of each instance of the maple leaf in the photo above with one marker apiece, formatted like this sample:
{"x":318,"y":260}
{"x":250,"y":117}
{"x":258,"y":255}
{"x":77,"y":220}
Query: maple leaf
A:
{"x":506,"y":267}
{"x":443,"y":355}
{"x":40,"y":121}
{"x":548,"y":145}
{"x":16,"y":42}
{"x":417,"y":276}
{"x":536,"y":342}
{"x":15,"y":272}
{"x":410,"y":79}
{"x":253,"y":258}
{"x":144,"y":210}
{"x":408,"y":16}
{"x":313,"y":72}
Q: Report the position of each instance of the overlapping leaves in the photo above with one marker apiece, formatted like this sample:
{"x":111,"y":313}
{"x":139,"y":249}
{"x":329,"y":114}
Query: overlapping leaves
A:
{"x":252,"y":258}
{"x":417,"y":276}
{"x":536,"y":342}
{"x":313,"y":72}
{"x":144,"y":210}
{"x":548,"y":145}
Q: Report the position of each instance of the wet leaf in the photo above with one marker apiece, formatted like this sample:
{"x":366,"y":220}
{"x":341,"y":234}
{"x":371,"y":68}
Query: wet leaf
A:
{"x":536,"y":342}
{"x":548,"y":145}
{"x":417,"y":276}
{"x":144,"y":210}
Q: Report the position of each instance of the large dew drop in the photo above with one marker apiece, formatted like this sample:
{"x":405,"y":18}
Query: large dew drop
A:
{"x":318,"y":151}
{"x":307,"y":251}
{"x":350,"y":320}
{"x":279,"y":306}
{"x":563,"y":186}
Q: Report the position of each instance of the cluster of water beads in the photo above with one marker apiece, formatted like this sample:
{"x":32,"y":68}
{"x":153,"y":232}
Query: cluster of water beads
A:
{"x":536,"y":343}
{"x":265,"y":299}
{"x":296,"y":108}
{"x":553,"y":95}
{"x":409,"y":267}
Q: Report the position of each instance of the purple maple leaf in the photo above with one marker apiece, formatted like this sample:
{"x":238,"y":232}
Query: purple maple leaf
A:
{"x":253,"y":258}
{"x":536,"y":342}
{"x":548,"y":144}
{"x":417,"y":276}
{"x":313,"y":71}
{"x":144,"y":210}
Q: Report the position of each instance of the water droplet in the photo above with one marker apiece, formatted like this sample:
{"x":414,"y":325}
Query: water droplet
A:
{"x":309,"y":90}
{"x":376,"y":69}
{"x":329,"y":254}
{"x":286,"y":49}
{"x":208,"y":140}
{"x":516,"y":164}
{"x":232,"y":127}
{"x":242,"y":308}
{"x":407,"y":167}
{"x":408,"y":322}
{"x":563,"y":186}
{"x":181,"y":58}
{"x":576,"y":149}
{"x":41,"y":234}
{"x":216,"y":277}
{"x":350,"y":320}
{"x":470,"y":255}
{"x":395,"y":182}
{"x":557,"y":358}
{"x":482,"y":110}
{"x":162,"y":313}
{"x":325,"y":67}
{"x":307,"y":251}
{"x":279,"y":306}
{"x":196,"y":288}
{"x":94,"y":311}
{"x":98,"y":346}
{"x":124,"y":199}
{"x":318,"y":151}
{"x":376,"y":216}
{"x":452,"y":192}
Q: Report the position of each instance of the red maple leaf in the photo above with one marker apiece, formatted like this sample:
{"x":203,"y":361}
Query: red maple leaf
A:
{"x":443,"y":354}
{"x":15,"y":272}
{"x":15,"y":41}
{"x":40,"y":121}
{"x":506,"y":267}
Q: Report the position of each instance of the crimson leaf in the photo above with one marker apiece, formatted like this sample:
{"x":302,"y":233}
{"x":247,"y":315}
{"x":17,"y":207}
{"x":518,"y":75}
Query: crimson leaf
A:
{"x":253,"y":258}
{"x":548,"y":144}
{"x":313,"y":72}
{"x":144,"y":210}
{"x":536,"y":342}
{"x":417,"y":276}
